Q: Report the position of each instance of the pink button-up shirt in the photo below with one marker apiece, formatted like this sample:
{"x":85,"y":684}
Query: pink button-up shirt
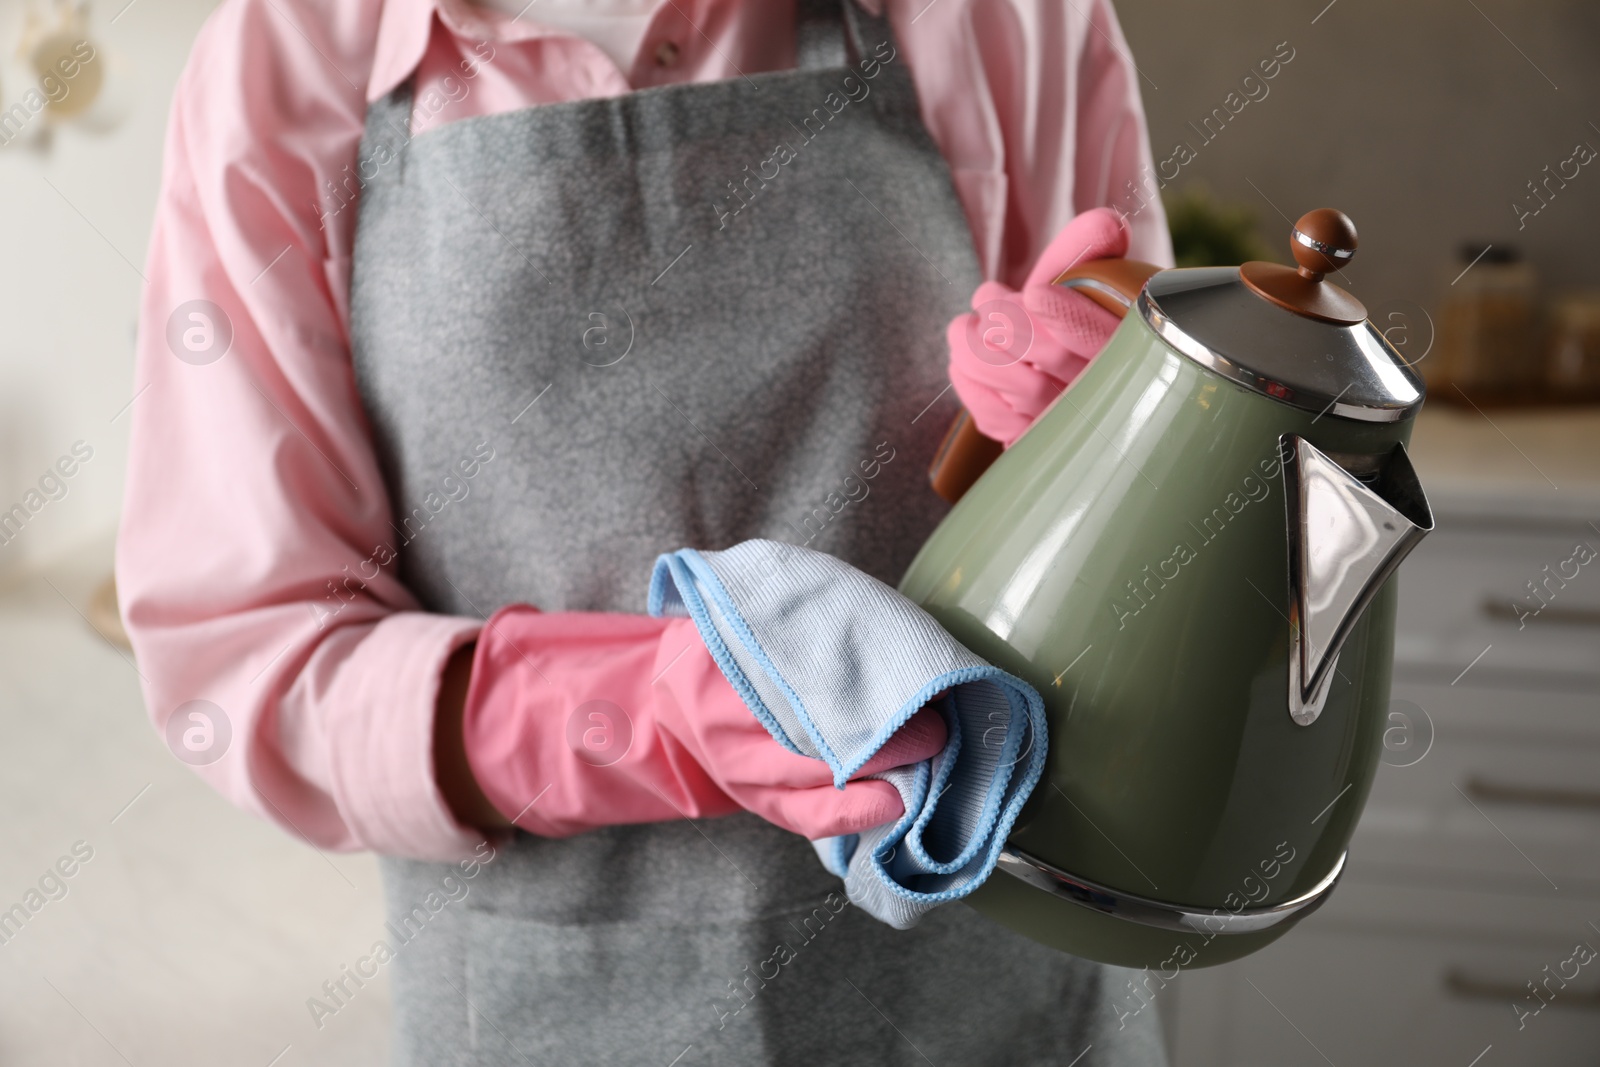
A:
{"x":248,"y":561}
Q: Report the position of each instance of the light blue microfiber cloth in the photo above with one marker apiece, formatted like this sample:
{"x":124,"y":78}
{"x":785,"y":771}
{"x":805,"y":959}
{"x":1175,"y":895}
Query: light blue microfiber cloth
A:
{"x":833,"y":662}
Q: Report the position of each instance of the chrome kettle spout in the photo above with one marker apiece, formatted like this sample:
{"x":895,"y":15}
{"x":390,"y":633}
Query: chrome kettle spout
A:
{"x":1345,"y":540}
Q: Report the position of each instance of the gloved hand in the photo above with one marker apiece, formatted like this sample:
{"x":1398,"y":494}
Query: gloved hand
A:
{"x":1014,"y":353}
{"x":579,"y":720}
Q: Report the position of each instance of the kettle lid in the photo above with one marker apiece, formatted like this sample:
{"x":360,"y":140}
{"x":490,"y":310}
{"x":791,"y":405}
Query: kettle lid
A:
{"x":1285,"y":331}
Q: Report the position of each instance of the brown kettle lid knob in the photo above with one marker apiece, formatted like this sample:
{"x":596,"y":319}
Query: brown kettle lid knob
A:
{"x":1322,"y":242}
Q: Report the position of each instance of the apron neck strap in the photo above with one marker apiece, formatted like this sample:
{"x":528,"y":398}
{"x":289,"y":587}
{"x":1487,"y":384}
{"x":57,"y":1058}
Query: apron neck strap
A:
{"x":836,"y":33}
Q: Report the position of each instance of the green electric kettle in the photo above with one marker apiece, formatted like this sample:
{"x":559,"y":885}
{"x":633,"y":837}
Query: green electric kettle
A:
{"x":1189,"y":555}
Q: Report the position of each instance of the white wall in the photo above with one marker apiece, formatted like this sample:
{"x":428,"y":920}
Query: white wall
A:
{"x":69,"y":274}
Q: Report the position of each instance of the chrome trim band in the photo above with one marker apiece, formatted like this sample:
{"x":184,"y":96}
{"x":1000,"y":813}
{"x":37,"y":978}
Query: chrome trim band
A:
{"x":1174,"y":336}
{"x":1099,"y":287}
{"x":1147,"y":912}
{"x":1327,"y":250}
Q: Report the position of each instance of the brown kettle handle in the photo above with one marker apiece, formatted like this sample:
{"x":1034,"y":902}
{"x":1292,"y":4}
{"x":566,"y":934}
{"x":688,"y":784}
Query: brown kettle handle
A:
{"x":965,"y":454}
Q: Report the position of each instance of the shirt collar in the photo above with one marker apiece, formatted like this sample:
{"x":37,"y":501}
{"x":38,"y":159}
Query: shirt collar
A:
{"x":405,"y":25}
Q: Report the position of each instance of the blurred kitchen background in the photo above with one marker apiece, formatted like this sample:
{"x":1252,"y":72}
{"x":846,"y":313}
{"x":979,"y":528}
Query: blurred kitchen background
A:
{"x":1457,"y":133}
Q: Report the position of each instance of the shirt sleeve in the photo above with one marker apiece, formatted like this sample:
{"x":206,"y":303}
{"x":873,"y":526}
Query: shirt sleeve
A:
{"x":1113,"y":166}
{"x":1035,"y":105}
{"x":249,"y":560}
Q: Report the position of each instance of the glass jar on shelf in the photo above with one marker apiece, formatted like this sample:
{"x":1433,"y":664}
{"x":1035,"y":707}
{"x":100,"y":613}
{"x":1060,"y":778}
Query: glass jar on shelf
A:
{"x":1488,"y":340}
{"x":1572,"y":359}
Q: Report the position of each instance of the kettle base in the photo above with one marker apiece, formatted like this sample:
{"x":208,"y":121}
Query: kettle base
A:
{"x":1102,"y":938}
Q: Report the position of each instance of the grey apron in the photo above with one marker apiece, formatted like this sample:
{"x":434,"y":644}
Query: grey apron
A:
{"x":686,"y":316}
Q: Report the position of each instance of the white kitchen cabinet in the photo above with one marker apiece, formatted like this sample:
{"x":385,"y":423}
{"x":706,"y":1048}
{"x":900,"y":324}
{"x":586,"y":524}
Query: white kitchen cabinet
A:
{"x":1474,"y":875}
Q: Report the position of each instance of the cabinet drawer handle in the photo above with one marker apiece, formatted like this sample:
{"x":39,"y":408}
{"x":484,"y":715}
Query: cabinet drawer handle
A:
{"x":1541,"y":796}
{"x":1506,"y":611}
{"x":1463,"y":986}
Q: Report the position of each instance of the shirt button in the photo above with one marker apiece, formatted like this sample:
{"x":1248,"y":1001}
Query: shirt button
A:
{"x":666,"y":54}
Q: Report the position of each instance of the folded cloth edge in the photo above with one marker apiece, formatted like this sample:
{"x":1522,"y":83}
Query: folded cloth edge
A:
{"x":1002,"y":812}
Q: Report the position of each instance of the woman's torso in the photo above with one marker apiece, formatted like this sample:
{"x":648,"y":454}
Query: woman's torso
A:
{"x":688,"y":316}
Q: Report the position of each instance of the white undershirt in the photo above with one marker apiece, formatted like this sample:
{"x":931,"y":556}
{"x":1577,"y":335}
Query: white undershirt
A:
{"x":614,"y":26}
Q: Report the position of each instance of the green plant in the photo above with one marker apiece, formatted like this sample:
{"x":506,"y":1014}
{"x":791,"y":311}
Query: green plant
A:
{"x":1206,"y":233}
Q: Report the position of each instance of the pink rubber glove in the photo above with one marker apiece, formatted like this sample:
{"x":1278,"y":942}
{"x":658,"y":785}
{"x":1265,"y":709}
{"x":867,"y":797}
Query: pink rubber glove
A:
{"x":578,"y":720}
{"x":1014,"y":353}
